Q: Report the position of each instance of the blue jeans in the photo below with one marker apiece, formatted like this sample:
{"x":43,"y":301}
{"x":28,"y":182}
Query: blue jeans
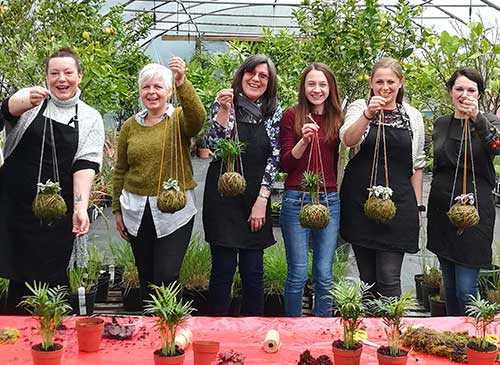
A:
{"x":323,"y":242}
{"x":459,"y":282}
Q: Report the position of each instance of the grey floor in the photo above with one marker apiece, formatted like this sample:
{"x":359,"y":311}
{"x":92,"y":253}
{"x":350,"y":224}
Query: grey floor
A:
{"x":103,"y":230}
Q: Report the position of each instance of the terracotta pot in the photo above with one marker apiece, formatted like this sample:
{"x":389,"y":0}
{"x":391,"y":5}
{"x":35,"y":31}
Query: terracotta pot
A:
{"x":391,"y":360}
{"x":205,"y":352}
{"x":89,"y":331}
{"x":47,"y":357}
{"x":169,"y":360}
{"x":475,"y":357}
{"x":203,"y":153}
{"x":346,"y":357}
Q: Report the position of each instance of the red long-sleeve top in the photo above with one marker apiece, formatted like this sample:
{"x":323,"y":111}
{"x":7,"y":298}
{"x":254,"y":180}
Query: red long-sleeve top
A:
{"x":296,"y":167}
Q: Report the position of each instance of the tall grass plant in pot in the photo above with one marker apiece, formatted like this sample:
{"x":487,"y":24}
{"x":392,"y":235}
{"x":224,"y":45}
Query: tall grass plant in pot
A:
{"x":482,"y":314}
{"x":171,"y":313}
{"x":351,"y":305}
{"x":275,"y":270}
{"x":49,"y":307}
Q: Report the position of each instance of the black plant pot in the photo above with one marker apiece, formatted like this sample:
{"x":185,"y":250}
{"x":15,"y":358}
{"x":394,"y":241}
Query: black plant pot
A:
{"x":132,"y":301}
{"x":3,"y":303}
{"x":274,"y":305}
{"x":102,"y":287}
{"x":487,"y":278}
{"x":199,"y":298}
{"x":235,"y":306}
{"x":437,"y":306}
{"x":275,"y":216}
{"x":426,"y":292}
{"x":418,"y":287}
{"x":88,"y":305}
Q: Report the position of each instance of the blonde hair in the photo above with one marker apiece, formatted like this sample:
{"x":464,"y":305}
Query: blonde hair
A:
{"x":393,"y":65}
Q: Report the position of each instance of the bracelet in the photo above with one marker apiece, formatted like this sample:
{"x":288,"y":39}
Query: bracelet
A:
{"x":263,"y":196}
{"x":366,"y":116}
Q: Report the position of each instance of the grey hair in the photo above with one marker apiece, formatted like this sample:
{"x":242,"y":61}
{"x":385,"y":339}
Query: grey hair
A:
{"x":155,"y":71}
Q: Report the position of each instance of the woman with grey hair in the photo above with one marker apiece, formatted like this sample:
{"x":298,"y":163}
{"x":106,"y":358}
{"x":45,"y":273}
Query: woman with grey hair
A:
{"x":152,"y":144}
{"x":51,"y":134}
{"x":239,"y":228}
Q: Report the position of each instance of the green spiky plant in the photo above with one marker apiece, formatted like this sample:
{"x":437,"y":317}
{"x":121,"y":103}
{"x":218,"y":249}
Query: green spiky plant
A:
{"x":49,"y":307}
{"x":48,"y":204}
{"x":171,"y":312}
{"x":196,"y":266}
{"x":313,"y":215}
{"x":275,"y":269}
{"x":392,"y":310}
{"x":351,"y":304}
{"x":482,"y":314}
{"x":171,"y":198}
{"x":231,"y":183}
{"x":124,"y":259}
{"x":379,"y":205}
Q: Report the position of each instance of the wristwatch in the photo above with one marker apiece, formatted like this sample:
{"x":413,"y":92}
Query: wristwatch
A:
{"x":421,"y":208}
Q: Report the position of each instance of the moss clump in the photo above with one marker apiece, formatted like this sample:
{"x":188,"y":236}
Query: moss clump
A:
{"x":463,"y":215}
{"x":380,"y":210}
{"x":231,"y":184}
{"x":313,"y":215}
{"x":171,"y":198}
{"x":48,"y":204}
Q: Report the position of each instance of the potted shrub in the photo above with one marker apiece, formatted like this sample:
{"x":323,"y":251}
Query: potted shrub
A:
{"x":171,"y":312}
{"x":202,"y":147}
{"x":482,"y":313}
{"x":431,"y":282}
{"x":351,"y":306}
{"x":195,"y":275}
{"x":129,"y":282}
{"x":83,"y":287}
{"x":275,"y":269}
{"x":48,"y":306}
{"x":392,"y":310}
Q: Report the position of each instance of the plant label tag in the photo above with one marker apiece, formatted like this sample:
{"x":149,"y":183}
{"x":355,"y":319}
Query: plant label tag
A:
{"x":81,"y":301}
{"x":111,"y":269}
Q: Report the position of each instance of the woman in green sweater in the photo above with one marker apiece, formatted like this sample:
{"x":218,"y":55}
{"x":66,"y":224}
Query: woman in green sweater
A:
{"x":154,"y":147}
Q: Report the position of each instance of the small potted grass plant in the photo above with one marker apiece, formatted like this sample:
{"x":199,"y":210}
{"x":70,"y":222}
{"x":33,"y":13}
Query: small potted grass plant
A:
{"x":482,"y":314}
{"x":48,"y":306}
{"x":351,"y":305}
{"x":392,"y":310}
{"x":171,"y":313}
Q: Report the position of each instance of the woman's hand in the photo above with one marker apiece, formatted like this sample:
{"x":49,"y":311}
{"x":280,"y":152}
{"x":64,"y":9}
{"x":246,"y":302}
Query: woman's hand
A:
{"x":257,"y":217}
{"x":225,"y":98}
{"x":120,"y":227}
{"x":81,"y":222}
{"x":469,"y":106}
{"x":26,"y":99}
{"x":308,"y":131}
{"x":38,"y":94}
{"x":375,"y":104}
{"x":178,"y":67}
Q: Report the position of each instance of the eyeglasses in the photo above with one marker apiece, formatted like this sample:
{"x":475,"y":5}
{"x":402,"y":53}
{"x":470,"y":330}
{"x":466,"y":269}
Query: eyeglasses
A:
{"x":262,"y":76}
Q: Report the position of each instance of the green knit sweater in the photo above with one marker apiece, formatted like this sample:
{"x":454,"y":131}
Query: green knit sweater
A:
{"x":139,"y":152}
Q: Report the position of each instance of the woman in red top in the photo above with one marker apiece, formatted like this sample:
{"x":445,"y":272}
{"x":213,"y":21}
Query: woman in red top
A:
{"x":318,"y":99}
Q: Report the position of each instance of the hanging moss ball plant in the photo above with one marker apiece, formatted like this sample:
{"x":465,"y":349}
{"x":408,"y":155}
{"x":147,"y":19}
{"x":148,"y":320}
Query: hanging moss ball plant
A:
{"x":48,"y":204}
{"x":379,"y":205}
{"x":171,"y":198}
{"x":463,"y":214}
{"x":231,"y":183}
{"x":313,"y":215}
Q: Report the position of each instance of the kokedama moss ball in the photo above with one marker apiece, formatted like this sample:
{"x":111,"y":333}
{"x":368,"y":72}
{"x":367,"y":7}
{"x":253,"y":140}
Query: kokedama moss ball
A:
{"x":314,"y":216}
{"x":463,"y":215}
{"x":170,"y":201}
{"x":231,"y":184}
{"x":49,"y":206}
{"x":380,"y":210}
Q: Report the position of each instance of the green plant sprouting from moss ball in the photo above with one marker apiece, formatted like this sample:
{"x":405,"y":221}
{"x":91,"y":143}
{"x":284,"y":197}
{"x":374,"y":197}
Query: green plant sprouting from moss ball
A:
{"x":229,"y":150}
{"x":231,"y":183}
{"x":313,"y":215}
{"x":48,"y":204}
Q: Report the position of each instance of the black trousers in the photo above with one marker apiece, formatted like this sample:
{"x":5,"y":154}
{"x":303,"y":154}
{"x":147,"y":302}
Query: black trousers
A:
{"x":381,"y":268}
{"x":159,"y":260}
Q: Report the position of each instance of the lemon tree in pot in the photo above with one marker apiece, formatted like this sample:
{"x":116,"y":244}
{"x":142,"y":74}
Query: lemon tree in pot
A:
{"x":351,"y":305}
{"x":392,"y":310}
{"x":48,"y":306}
{"x":482,"y":313}
{"x":171,"y":313}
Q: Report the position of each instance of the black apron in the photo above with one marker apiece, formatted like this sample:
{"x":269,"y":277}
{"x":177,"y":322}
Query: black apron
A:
{"x":401,"y":233}
{"x":226,"y":219}
{"x":472,"y":248}
{"x":31,"y":249}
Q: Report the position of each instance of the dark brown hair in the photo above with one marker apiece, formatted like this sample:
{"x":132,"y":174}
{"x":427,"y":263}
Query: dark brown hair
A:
{"x":393,"y":65}
{"x":333,"y":111}
{"x":269,"y":99}
{"x":64,"y":52}
{"x":471,"y":74}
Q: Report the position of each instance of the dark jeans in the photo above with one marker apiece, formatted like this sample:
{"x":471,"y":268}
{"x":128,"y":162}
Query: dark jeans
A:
{"x":224,"y":262}
{"x":459,"y":282}
{"x":159,"y":260}
{"x":381,"y":268}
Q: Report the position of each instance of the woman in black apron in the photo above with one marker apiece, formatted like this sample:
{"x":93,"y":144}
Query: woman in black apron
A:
{"x":379,"y":247}
{"x":239,"y":228}
{"x":462,"y":255}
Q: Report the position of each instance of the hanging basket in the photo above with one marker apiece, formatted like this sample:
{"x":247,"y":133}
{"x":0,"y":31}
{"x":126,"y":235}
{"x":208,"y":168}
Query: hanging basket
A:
{"x":48,"y":204}
{"x":379,"y":206}
{"x":314,"y":216}
{"x":231,"y":184}
{"x":463,"y":214}
{"x":171,"y":198}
